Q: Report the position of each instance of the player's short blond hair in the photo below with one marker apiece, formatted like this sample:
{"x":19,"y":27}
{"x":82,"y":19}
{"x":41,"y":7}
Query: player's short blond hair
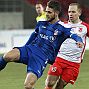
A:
{"x":78,"y":6}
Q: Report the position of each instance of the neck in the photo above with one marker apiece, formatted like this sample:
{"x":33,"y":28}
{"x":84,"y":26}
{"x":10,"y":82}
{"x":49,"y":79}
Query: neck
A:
{"x":54,"y":20}
{"x":75,"y":21}
{"x":39,"y":14}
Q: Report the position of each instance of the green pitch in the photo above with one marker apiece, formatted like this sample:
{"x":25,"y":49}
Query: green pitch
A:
{"x":13,"y":76}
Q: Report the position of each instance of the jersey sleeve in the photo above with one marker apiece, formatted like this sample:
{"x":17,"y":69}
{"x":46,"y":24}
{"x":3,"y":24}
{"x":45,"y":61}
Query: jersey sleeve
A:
{"x":37,"y":27}
{"x":87,"y":26}
{"x":69,"y":33}
{"x":34,"y":34}
{"x":31,"y":38}
{"x":88,"y":30}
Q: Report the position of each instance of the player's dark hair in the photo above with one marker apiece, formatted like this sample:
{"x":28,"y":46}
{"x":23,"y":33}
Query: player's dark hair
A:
{"x":55,"y":5}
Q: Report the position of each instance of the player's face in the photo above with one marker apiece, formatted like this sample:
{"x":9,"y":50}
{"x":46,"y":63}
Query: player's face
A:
{"x":73,"y":13}
{"x":39,"y":8}
{"x":50,"y":14}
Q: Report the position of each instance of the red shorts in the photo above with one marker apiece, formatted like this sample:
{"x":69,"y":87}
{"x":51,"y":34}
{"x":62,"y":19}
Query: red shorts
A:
{"x":68,"y":70}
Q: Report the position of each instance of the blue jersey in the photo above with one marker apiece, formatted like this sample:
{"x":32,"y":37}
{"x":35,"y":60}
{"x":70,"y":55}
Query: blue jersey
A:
{"x":49,"y":37}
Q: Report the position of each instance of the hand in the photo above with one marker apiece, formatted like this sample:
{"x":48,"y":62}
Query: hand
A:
{"x":80,"y":44}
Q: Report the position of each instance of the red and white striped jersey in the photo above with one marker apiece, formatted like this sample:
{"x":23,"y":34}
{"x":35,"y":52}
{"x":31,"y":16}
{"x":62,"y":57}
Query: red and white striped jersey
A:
{"x":69,"y":50}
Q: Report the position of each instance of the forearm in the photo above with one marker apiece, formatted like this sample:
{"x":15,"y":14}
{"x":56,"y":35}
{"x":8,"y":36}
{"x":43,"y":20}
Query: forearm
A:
{"x":76,"y":38}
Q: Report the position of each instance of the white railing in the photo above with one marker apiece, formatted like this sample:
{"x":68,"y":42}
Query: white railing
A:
{"x":12,"y":38}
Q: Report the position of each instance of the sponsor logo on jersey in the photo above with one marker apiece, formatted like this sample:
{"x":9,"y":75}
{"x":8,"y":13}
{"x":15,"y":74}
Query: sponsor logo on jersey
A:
{"x":80,"y":29}
{"x":50,"y":38}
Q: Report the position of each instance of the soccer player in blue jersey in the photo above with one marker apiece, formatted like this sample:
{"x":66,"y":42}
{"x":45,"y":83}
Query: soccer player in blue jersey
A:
{"x":42,"y":46}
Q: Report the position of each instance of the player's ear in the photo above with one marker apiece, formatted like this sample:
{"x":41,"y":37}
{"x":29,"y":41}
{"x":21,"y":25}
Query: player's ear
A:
{"x":57,"y":13}
{"x":80,"y":12}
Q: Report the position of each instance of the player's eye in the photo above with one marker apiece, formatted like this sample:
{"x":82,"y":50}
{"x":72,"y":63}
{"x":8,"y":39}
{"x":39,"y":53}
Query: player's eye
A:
{"x":71,"y":11}
{"x":48,"y":12}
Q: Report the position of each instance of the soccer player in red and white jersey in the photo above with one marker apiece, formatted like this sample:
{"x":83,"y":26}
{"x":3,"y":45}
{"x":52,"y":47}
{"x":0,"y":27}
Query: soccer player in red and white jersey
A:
{"x":67,"y":63}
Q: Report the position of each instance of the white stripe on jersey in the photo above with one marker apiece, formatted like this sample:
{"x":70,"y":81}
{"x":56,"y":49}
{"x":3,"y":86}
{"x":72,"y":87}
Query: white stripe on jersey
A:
{"x":69,"y":50}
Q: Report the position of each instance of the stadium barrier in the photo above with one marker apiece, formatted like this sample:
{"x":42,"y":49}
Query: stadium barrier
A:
{"x":12,"y":38}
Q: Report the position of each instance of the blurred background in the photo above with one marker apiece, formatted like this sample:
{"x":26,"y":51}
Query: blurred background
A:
{"x":17,"y":21}
{"x":21,"y":14}
{"x":29,"y":4}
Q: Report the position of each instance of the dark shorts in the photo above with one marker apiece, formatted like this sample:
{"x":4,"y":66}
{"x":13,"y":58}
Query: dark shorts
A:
{"x":35,"y":60}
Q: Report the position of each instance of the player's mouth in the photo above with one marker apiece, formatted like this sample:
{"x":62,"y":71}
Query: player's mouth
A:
{"x":71,"y":17}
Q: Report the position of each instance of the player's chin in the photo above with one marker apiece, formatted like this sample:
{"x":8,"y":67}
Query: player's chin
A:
{"x":48,"y":19}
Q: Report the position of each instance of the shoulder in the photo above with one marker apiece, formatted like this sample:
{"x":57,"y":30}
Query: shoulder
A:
{"x":85,"y":24}
{"x":41,"y":22}
{"x":64,"y":24}
{"x":61,"y":27}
